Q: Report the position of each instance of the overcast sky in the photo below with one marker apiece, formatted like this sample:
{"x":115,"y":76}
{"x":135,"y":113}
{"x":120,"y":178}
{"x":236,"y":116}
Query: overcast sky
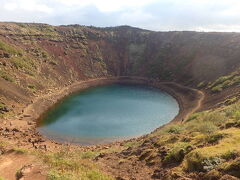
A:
{"x":160,"y":15}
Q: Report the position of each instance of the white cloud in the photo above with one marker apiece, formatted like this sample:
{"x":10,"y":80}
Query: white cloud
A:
{"x":27,"y":5}
{"x":219,"y":28}
{"x":214,"y":15}
{"x":10,"y":6}
{"x":107,"y":5}
{"x":135,"y":17}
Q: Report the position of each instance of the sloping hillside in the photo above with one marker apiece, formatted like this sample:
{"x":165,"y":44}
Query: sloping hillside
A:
{"x":41,"y":62}
{"x":37,"y":57}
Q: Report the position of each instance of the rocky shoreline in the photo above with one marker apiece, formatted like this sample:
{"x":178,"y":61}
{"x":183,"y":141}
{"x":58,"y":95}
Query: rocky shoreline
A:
{"x":24,"y":132}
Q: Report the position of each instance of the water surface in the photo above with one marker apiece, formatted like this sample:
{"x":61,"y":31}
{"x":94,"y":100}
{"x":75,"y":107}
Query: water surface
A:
{"x":105,"y":113}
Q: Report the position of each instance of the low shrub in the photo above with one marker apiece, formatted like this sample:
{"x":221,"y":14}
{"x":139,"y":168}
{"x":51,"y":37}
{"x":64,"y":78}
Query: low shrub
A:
{"x":177,"y":153}
{"x":230,"y":100}
{"x":225,"y":82}
{"x":214,"y":138}
{"x":195,"y":116}
{"x":212,"y":175}
{"x":55,"y":175}
{"x":233,"y":168}
{"x":201,"y":126}
{"x":6,"y":76}
{"x":201,"y":84}
{"x":230,"y":155}
{"x":9,"y":49}
{"x":65,"y":165}
{"x":193,"y":161}
{"x":236,"y":115}
{"x":196,"y":161}
{"x":233,"y":111}
{"x":173,"y":129}
{"x":217,"y":88}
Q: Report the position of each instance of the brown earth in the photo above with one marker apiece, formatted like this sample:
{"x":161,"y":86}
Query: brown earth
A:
{"x":40,"y":64}
{"x":23,"y":131}
{"x":189,"y":101}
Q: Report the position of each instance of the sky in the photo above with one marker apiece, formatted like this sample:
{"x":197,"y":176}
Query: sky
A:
{"x":158,"y":15}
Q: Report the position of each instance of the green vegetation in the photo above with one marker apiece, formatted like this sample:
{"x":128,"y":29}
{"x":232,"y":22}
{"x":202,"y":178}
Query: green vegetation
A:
{"x":226,"y":149}
{"x":232,"y":167}
{"x":9,"y":49}
{"x":36,"y":29}
{"x":19,"y":59}
{"x":27,"y":65}
{"x":6,"y":76}
{"x":32,"y":87}
{"x":177,"y":152}
{"x":2,"y":105}
{"x":23,"y":63}
{"x":20,"y":150}
{"x":3,"y":112}
{"x":201,"y":84}
{"x":225,"y":82}
{"x":73,"y":166}
{"x":52,"y":62}
{"x":132,"y":144}
{"x":207,"y":142}
{"x":18,"y":174}
{"x":230,"y":100}
{"x":213,"y":138}
{"x":173,"y":129}
{"x":54,"y":175}
{"x":217,"y":88}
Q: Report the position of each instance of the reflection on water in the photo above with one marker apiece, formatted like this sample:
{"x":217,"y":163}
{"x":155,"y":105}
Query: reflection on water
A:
{"x":106,"y":113}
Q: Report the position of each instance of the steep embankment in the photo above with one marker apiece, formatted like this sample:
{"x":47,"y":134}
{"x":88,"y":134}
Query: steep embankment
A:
{"x":36,"y":59}
{"x":39,"y":64}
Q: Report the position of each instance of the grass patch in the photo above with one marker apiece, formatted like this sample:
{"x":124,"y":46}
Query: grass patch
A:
{"x":232,"y":168}
{"x":27,"y":65}
{"x":31,"y":86}
{"x":230,"y":100}
{"x":20,"y":150}
{"x":6,"y":76}
{"x":207,"y":135}
{"x":88,"y":155}
{"x":2,"y":105}
{"x":225,"y":82}
{"x":174,"y":129}
{"x":52,"y":62}
{"x":209,"y":157}
{"x":9,"y":49}
{"x":217,"y":88}
{"x":201,"y":84}
{"x":55,"y":175}
{"x":194,"y":116}
{"x":36,"y":29}
{"x":214,"y":138}
{"x":177,"y":153}
{"x":133,"y":144}
{"x":75,"y":165}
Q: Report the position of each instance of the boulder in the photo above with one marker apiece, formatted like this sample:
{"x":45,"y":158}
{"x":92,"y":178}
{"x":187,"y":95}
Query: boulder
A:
{"x":26,"y":169}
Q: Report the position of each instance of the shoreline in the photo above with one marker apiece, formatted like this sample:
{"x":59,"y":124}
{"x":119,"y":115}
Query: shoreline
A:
{"x":187,"y":98}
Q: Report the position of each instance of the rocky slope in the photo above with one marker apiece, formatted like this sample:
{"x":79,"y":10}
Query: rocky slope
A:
{"x":39,"y":59}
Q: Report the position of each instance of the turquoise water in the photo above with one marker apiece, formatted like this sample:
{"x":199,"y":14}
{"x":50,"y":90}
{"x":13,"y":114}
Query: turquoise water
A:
{"x":110,"y":112}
